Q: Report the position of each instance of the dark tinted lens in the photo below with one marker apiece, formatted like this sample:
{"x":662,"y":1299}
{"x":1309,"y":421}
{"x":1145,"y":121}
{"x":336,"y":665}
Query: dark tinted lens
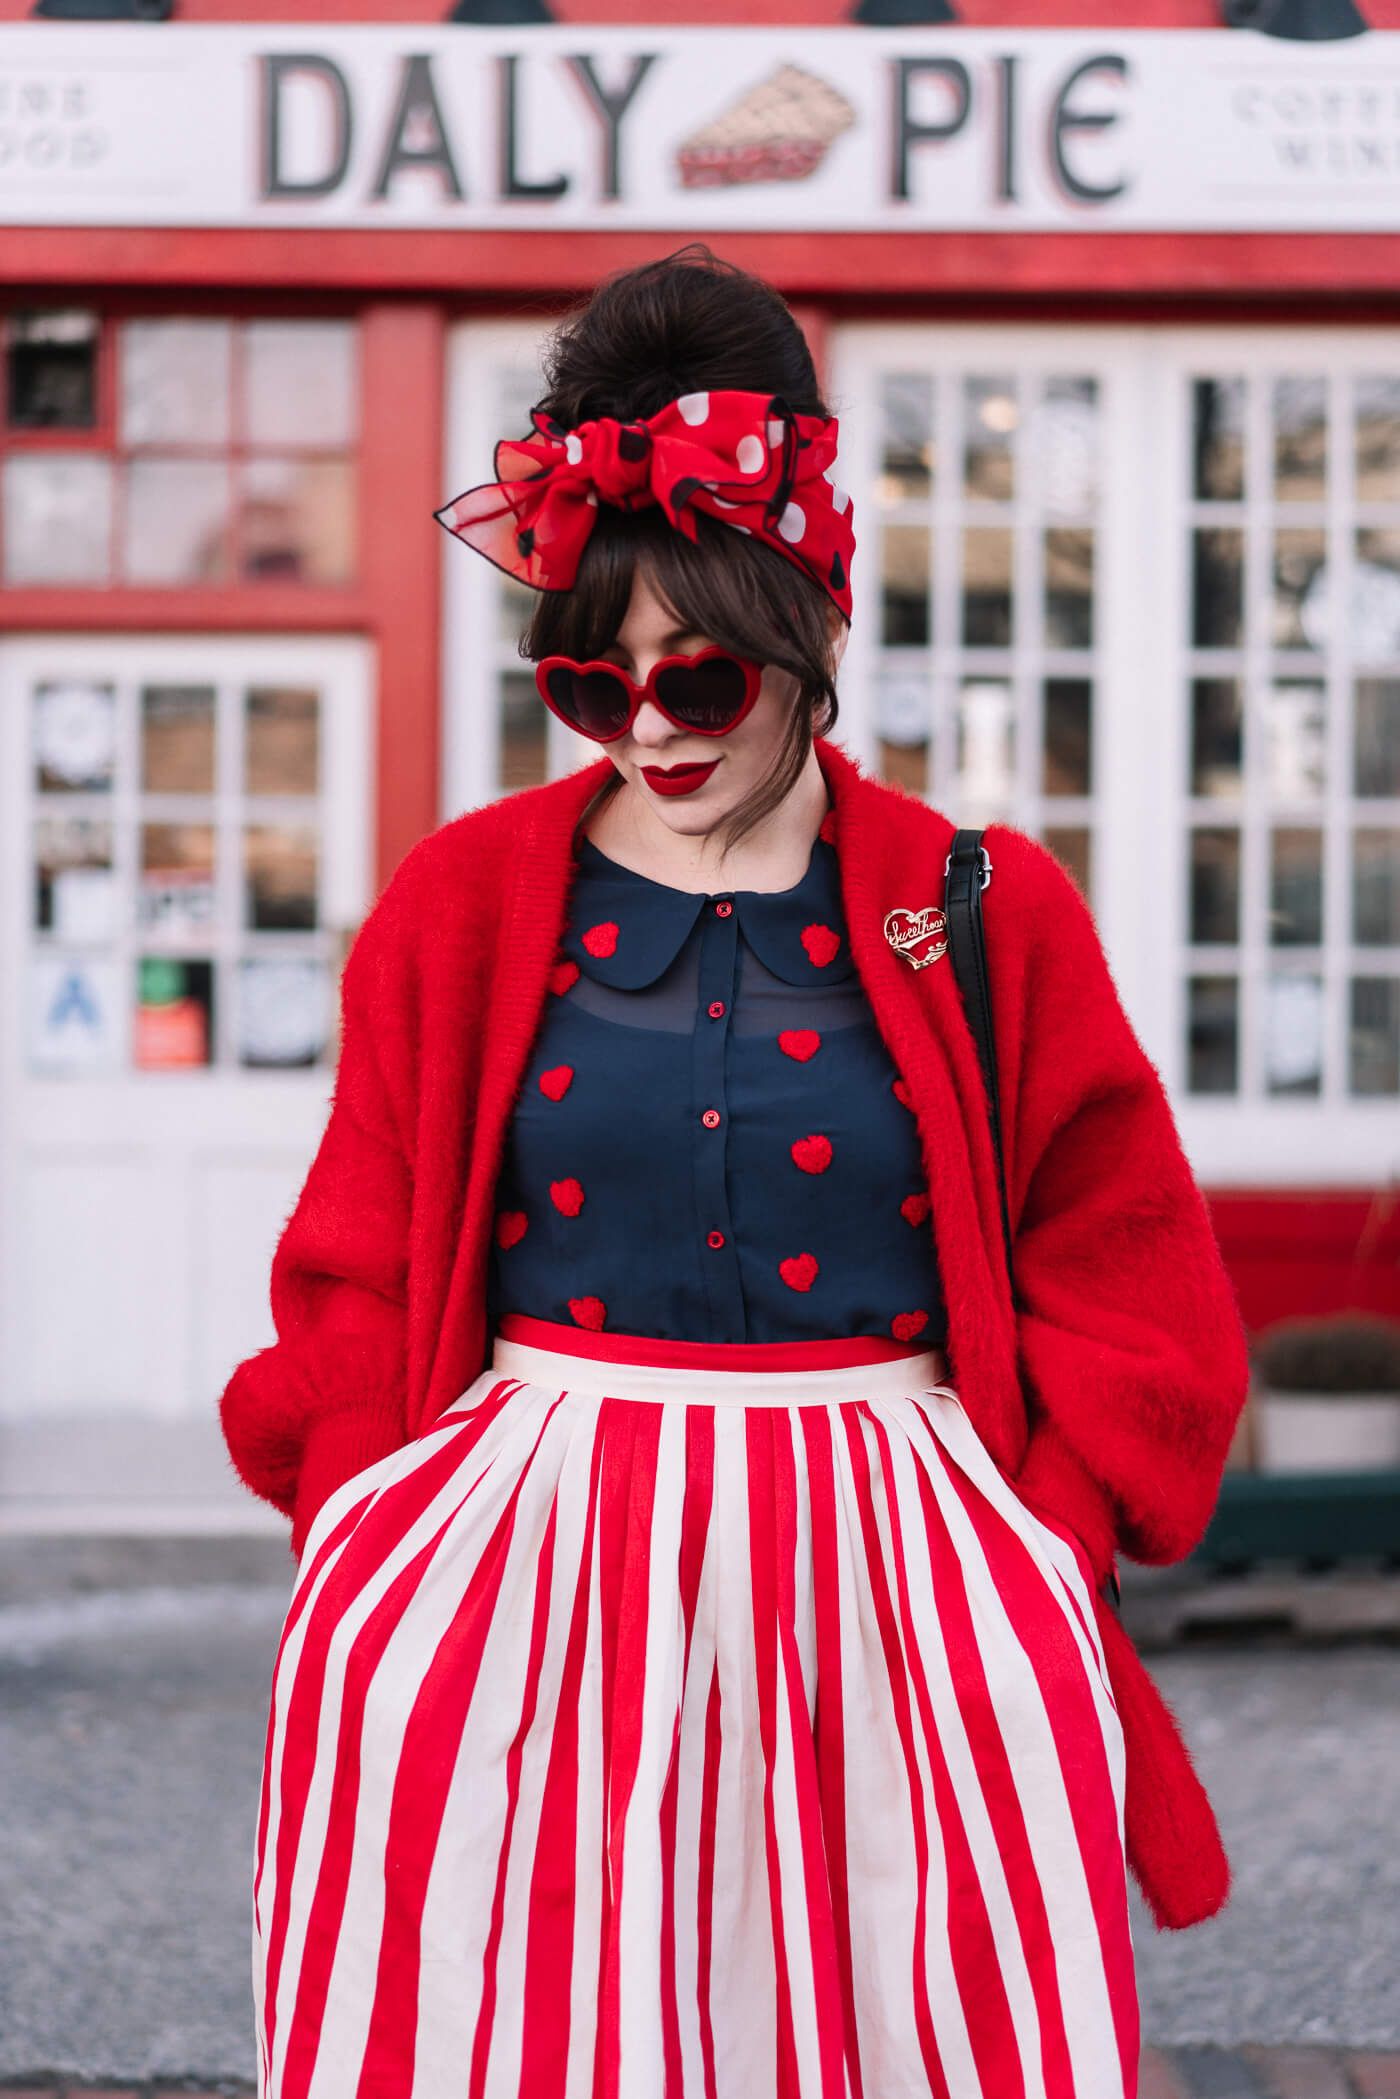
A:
{"x":594,"y":702}
{"x":705,"y":696}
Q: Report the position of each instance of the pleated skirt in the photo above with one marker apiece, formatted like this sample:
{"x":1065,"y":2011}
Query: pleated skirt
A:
{"x":712,"y":1724}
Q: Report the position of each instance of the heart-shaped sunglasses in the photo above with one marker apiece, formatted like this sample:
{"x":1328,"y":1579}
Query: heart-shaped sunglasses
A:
{"x":707,"y":694}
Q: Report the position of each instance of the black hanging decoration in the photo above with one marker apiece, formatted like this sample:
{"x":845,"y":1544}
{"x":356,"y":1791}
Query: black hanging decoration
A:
{"x":501,"y":14}
{"x":1297,"y":21}
{"x":903,"y":14}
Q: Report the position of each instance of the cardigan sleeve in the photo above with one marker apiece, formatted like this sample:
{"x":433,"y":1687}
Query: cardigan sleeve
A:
{"x":1131,"y":1349}
{"x":327,"y":1397}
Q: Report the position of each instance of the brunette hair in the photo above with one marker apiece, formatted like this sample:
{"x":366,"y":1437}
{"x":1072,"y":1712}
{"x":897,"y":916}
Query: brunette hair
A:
{"x":690,"y":323}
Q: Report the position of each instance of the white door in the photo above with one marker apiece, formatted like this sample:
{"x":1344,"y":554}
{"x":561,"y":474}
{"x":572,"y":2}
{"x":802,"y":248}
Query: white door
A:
{"x":184,"y":853}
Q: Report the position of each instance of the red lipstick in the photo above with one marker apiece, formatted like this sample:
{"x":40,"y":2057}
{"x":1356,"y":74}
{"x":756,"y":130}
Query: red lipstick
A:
{"x":677,"y":779}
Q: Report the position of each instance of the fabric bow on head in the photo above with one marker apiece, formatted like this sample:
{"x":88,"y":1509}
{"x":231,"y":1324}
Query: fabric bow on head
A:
{"x":746,"y":459}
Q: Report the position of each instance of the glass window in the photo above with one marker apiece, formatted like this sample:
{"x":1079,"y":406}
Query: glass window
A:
{"x":1377,"y":716}
{"x":987,"y":587}
{"x":1300,"y":440}
{"x":51,"y":369}
{"x":177,"y":521}
{"x":1068,"y":736}
{"x":175,"y":900}
{"x":1374,"y":1045}
{"x":176,"y":383}
{"x":280,"y":877}
{"x":1064,"y":441}
{"x":990,"y":417}
{"x":57,"y":518}
{"x":1069,"y":588}
{"x":906,"y":596}
{"x":298,"y":520}
{"x":174,"y":1021}
{"x":1378,"y":438}
{"x":282,"y":728}
{"x":1217,"y":736}
{"x":300,"y":383}
{"x":177,"y":739}
{"x":1215,"y":886}
{"x":524,"y":732}
{"x":75,"y":888}
{"x":906,"y":446}
{"x":1217,"y":587}
{"x":1218,"y":440}
{"x":1213,"y":1033}
{"x":74,"y":726}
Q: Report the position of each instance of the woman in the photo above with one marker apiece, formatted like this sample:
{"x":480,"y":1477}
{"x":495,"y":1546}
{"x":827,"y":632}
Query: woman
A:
{"x":698,"y":1679}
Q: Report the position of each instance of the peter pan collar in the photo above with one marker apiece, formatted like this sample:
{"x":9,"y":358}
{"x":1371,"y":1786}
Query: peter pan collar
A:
{"x":626,"y":930}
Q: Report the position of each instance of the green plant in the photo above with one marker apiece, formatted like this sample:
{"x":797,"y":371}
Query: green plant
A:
{"x":1333,"y":1352}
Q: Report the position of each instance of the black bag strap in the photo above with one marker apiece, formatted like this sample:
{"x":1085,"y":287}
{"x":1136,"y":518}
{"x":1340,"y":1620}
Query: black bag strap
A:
{"x":969,"y":869}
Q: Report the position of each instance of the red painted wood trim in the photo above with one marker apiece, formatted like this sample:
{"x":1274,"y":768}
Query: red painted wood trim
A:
{"x":254,"y":608}
{"x":839,"y":268}
{"x":1309,"y":1250}
{"x":401,"y":396}
{"x":799,"y":14}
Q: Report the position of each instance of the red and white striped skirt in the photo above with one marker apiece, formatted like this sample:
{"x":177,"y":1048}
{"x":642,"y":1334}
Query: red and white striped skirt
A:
{"x":710,"y":1724}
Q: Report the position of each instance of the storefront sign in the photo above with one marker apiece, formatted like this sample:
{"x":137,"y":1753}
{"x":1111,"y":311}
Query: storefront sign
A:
{"x":887,"y":130}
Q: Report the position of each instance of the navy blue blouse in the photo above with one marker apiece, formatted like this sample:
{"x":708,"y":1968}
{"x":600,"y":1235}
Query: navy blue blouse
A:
{"x":709,"y":1144}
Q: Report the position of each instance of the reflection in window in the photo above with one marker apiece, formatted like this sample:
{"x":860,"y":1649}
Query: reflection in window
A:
{"x":1064,"y":441}
{"x":524,"y":732}
{"x":280,"y":877}
{"x":1375,"y":607}
{"x":990,"y":416}
{"x":1373,"y":1061}
{"x":1066,"y":768}
{"x":58,"y":517}
{"x":1218,"y":440}
{"x":1375,"y":892}
{"x":298,"y":519}
{"x":985,"y":746}
{"x":75,"y":890}
{"x":1217,"y":737}
{"x":905,"y":586}
{"x":176,"y":382}
{"x":51,"y":369}
{"x":906,"y":442}
{"x":1215,"y":886}
{"x":1213,"y":1034}
{"x":903,"y":707}
{"x":1293,"y":1020}
{"x":177,"y":521}
{"x":1377,"y":724}
{"x":1217,"y":593}
{"x":282,"y":732}
{"x":1300,"y":583}
{"x":1069,"y":588}
{"x":285,"y":1012}
{"x":1378,"y":438}
{"x":1295,"y":887}
{"x":986,"y":587}
{"x":300,"y":384}
{"x":1294,"y":722}
{"x":175,"y":899}
{"x":1300,"y":440}
{"x":515,"y":607}
{"x":1070,"y":843}
{"x":74,"y":736}
{"x":177,"y":739}
{"x":174,"y":1013}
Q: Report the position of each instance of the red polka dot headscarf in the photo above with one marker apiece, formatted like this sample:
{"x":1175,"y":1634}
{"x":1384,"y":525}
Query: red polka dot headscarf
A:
{"x":747,"y":459}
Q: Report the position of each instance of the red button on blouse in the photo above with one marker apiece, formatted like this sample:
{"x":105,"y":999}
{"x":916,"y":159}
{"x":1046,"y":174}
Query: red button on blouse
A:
{"x":716,"y":1009}
{"x":723,"y":910}
{"x":715,"y":1239}
{"x":710,"y":1118}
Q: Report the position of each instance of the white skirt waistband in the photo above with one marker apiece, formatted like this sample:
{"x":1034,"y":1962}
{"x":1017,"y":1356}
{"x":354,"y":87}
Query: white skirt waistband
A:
{"x":717,"y":1388}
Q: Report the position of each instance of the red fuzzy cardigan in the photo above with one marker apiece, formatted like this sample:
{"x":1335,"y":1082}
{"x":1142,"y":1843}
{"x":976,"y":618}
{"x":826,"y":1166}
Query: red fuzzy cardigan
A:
{"x":1109,"y":1391}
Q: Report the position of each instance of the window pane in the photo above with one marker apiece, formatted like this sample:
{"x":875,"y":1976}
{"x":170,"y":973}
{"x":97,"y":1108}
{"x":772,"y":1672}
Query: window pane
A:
{"x":51,"y":369}
{"x":174,"y":1013}
{"x":1378,"y":439}
{"x":299,"y":384}
{"x":176,"y":895}
{"x":1217,"y":737}
{"x":1293,"y":1035}
{"x":1295,"y":739}
{"x":298,"y":520}
{"x":1300,"y":440}
{"x":1213,"y":1022}
{"x":75,"y":894}
{"x":1065,"y":442}
{"x":1300,"y":583}
{"x":1218,"y":423}
{"x":1295,"y":887}
{"x":906,"y":443}
{"x":986,"y":745}
{"x":1215,"y":886}
{"x":1069,"y":588}
{"x":986,"y":584}
{"x":75,"y":736}
{"x":282,"y":747}
{"x":175,"y":378}
{"x":177,"y":739}
{"x":58,"y":518}
{"x":1375,"y":612}
{"x":903,"y":712}
{"x":177,"y":521}
{"x":906,"y":556}
{"x":1375,"y":891}
{"x":524,"y":732}
{"x":1070,"y":843}
{"x":1378,"y":736}
{"x":286,"y":1011}
{"x":990,"y":416}
{"x":1066,"y":768}
{"x":76,"y":1013}
{"x":280,"y":877}
{"x":515,"y":608}
{"x":1217,"y":612}
{"x":1373,"y":1064}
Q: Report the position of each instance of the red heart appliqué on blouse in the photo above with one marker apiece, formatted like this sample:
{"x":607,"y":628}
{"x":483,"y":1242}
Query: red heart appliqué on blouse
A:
{"x":822,"y":945}
{"x":799,"y":1271}
{"x":812,"y":1154}
{"x":601,"y":940}
{"x":563,"y":977}
{"x":801,"y":1043}
{"x":589,"y":1311}
{"x":905,"y":1325}
{"x":915,"y":1208}
{"x":511,"y":1227}
{"x":567,"y":1196}
{"x":556,"y":1082}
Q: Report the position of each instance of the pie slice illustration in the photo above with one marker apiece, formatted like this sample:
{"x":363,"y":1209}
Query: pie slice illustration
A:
{"x":778,"y":132}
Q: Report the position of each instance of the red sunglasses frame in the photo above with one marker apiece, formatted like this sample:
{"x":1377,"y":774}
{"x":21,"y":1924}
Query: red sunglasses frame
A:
{"x":636,"y":694}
